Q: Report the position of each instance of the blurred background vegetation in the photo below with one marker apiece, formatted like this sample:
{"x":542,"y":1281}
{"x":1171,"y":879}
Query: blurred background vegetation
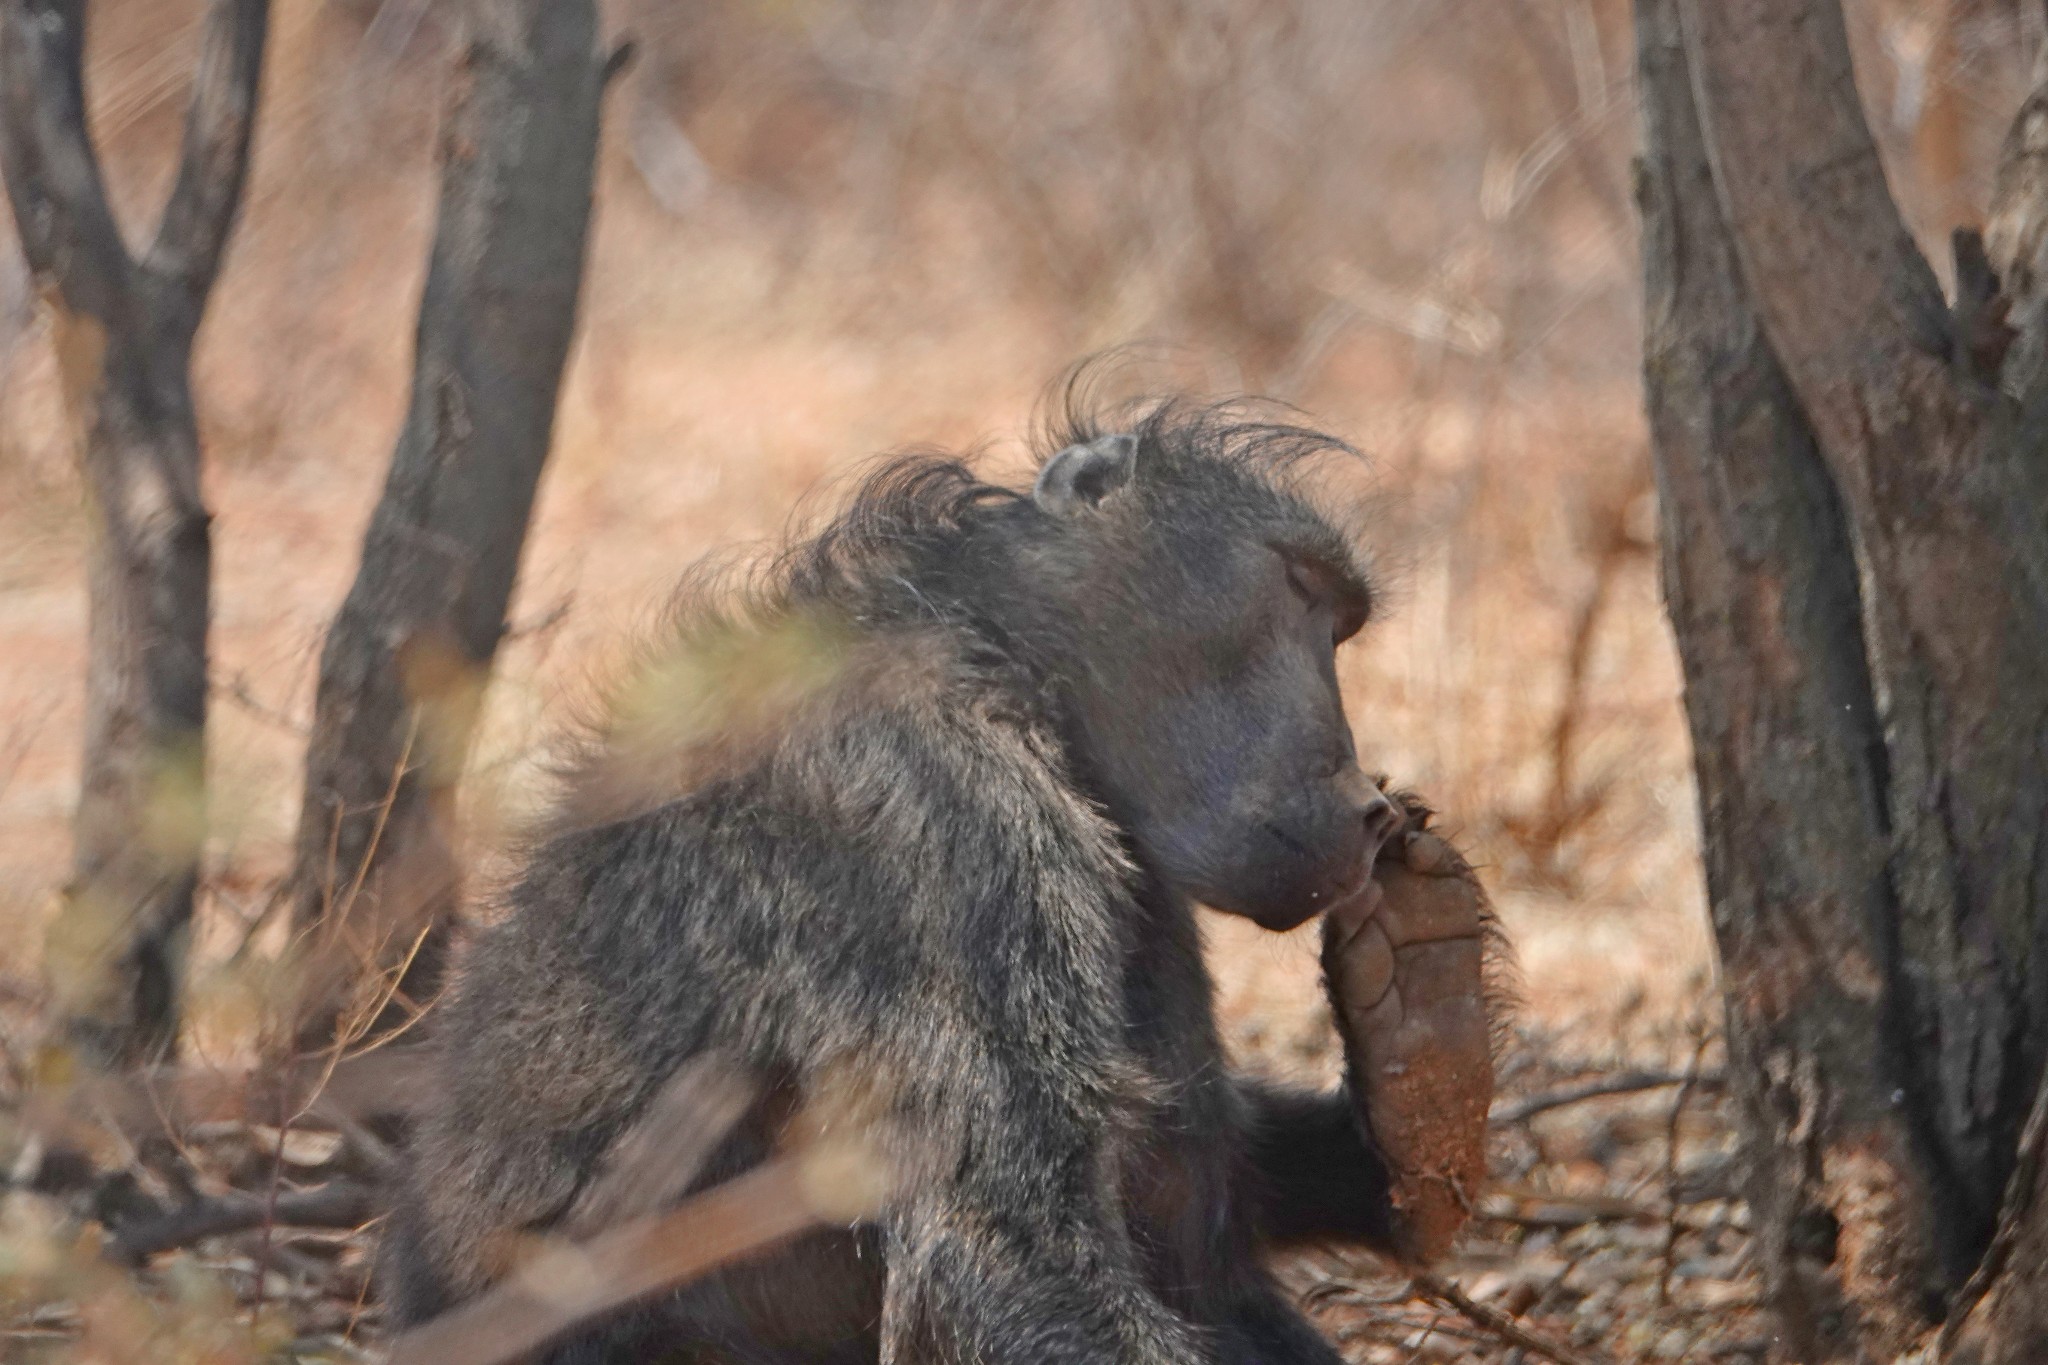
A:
{"x":826,"y":229}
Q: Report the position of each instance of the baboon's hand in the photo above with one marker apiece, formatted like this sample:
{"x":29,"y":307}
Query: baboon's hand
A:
{"x":1405,"y":967}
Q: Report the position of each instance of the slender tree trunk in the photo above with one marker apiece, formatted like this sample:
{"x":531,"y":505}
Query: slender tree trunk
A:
{"x":1856,"y":562}
{"x":124,"y":329}
{"x":408,"y":655}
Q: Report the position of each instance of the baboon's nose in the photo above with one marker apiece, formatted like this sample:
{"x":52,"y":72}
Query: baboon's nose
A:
{"x":1382,"y":822}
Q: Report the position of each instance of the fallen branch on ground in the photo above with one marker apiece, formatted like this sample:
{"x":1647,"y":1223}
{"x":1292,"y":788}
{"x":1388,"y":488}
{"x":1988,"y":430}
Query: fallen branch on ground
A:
{"x":338,"y":1204}
{"x":1493,"y":1320}
{"x":1619,"y":1083}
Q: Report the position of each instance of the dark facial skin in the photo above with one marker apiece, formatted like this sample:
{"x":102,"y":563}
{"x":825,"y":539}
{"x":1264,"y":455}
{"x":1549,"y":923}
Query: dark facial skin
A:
{"x":1209,"y":711}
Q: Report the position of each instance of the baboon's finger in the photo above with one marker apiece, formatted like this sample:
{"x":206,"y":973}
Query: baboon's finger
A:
{"x":1422,"y":909}
{"x":1426,"y":853}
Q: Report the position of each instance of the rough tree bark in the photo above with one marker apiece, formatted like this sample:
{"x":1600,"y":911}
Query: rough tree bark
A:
{"x":407,"y":655}
{"x":123,"y":329}
{"x":1856,"y":563}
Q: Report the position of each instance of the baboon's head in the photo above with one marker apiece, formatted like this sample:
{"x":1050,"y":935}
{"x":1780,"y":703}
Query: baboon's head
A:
{"x":1190,"y":599}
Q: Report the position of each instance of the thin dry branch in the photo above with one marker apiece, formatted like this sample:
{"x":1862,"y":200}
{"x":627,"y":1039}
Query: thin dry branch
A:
{"x":1668,"y":1263}
{"x":565,"y":1285}
{"x":622,"y":1240}
{"x":1494,"y":1321}
{"x":339,"y":1204}
{"x":654,"y":1164}
{"x":384,"y":1082}
{"x":1620,"y":1083}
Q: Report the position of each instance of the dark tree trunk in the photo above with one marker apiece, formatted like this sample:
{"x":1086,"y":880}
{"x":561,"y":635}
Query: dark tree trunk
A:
{"x":1856,"y":563}
{"x":124,"y":332}
{"x":409,"y":652}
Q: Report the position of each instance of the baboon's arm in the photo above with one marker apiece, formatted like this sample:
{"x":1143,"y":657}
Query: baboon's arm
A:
{"x":1314,"y":1176}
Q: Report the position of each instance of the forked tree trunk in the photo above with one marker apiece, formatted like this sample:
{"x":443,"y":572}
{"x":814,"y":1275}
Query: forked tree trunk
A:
{"x":407,"y":657}
{"x":1856,"y":562}
{"x":124,"y":329}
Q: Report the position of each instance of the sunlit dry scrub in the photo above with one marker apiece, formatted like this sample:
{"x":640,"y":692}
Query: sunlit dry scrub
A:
{"x":826,"y":230}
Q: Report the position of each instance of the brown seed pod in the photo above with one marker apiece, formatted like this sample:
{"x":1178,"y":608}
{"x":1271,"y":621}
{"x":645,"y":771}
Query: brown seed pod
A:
{"x":1405,"y":965}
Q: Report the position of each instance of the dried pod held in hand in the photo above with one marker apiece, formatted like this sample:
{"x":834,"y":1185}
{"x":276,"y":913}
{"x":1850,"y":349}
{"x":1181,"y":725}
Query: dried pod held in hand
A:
{"x":1407,"y":965}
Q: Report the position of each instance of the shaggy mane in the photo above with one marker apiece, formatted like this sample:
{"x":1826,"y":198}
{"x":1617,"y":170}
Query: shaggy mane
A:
{"x":735,"y":622}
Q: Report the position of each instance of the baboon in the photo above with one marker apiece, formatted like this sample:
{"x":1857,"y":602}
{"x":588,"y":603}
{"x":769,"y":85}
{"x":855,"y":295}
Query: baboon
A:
{"x":920,"y":813}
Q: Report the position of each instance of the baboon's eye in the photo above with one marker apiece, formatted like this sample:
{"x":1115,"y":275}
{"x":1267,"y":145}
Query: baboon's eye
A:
{"x":1309,"y":582}
{"x":1319,"y":587}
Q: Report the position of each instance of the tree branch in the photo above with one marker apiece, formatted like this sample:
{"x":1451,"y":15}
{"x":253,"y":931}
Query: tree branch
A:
{"x":1493,"y":1320}
{"x":339,"y":1204}
{"x":567,"y":1284}
{"x":1848,"y":301}
{"x":653,"y":1164}
{"x":214,"y":159}
{"x":68,"y":232}
{"x":1619,"y":1083}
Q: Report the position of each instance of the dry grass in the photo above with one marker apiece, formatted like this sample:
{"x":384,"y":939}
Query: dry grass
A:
{"x":824,"y":231}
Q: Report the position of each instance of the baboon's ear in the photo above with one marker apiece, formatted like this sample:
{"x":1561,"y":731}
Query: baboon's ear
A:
{"x":1083,"y":475}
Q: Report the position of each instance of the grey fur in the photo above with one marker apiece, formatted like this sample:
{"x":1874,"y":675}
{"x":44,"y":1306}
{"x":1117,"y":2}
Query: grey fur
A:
{"x":919,"y":814}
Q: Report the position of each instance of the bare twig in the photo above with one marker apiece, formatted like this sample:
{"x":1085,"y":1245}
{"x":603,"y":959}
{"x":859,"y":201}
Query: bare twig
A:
{"x":389,"y":1081}
{"x":363,"y":1151}
{"x":617,"y":1248}
{"x":1429,"y":1330}
{"x":272,"y":1189}
{"x":1701,"y":1038}
{"x":567,"y":1284}
{"x":1620,"y":1083}
{"x":1580,"y":114}
{"x":653,"y":1164}
{"x":1567,"y":805}
{"x":1493,"y":1320}
{"x":338,"y":1204}
{"x":541,"y":624}
{"x":235,"y":688}
{"x":1565,"y":1213}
